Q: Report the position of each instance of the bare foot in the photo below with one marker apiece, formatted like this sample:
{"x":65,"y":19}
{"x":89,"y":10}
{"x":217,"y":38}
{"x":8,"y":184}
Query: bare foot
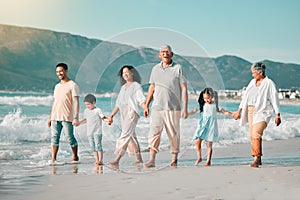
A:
{"x":206,"y":164}
{"x":138,"y":162}
{"x":113,"y":165}
{"x":149,"y":164}
{"x":259,"y":160}
{"x":100,"y":163}
{"x":254,"y":164}
{"x":199,"y":160}
{"x":173,"y":163}
{"x":74,"y":159}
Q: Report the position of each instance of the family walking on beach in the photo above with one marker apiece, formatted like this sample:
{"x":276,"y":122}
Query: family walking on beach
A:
{"x":169,"y":97}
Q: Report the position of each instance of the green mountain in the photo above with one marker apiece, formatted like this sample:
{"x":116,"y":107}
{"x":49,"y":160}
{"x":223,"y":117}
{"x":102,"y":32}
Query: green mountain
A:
{"x":28,"y":57}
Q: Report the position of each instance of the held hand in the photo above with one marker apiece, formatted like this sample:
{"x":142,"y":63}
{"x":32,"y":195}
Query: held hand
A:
{"x":236,"y":116}
{"x":277,"y":121}
{"x":110,"y":121}
{"x":184,"y":114}
{"x":146,"y":112}
{"x":75,"y":122}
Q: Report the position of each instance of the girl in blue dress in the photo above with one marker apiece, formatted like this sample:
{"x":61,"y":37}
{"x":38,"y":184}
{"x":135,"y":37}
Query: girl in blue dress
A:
{"x":208,"y":126}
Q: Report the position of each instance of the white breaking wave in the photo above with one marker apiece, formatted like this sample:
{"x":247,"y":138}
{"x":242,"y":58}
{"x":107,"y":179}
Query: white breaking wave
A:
{"x":26,"y":100}
{"x":17,"y":126}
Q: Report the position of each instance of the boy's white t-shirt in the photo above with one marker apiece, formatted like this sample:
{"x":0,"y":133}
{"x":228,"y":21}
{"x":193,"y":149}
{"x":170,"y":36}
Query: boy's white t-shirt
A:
{"x":93,"y":120}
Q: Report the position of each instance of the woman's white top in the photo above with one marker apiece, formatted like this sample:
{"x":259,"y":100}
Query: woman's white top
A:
{"x":253,"y":93}
{"x":132,"y":96}
{"x":266,"y":103}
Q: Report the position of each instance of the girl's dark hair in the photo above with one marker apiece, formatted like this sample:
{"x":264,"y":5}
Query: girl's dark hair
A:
{"x":212,"y":93}
{"x":135,"y":75}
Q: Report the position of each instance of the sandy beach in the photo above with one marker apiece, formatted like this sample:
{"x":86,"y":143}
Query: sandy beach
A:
{"x":275,"y":179}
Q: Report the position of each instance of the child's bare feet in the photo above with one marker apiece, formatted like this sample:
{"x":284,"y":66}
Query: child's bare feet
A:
{"x":199,"y":160}
{"x":206,"y":164}
{"x":99,"y":163}
{"x":149,"y":164}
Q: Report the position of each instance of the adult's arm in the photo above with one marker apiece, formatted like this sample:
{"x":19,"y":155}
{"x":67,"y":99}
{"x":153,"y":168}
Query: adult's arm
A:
{"x":76,"y":111}
{"x":184,"y":100}
{"x":149,"y":99}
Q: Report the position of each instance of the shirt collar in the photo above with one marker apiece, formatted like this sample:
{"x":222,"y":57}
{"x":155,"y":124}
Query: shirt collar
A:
{"x":170,"y":65}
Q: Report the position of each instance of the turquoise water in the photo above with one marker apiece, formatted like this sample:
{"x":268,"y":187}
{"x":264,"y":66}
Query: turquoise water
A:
{"x":25,"y":139}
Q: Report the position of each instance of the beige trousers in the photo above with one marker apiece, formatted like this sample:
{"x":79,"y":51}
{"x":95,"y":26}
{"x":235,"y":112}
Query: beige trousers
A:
{"x":128,"y":139}
{"x":256,"y":133}
{"x":170,"y":120}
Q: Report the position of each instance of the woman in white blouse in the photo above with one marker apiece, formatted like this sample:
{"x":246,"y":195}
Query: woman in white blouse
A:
{"x":258,"y":104}
{"x":129,"y":99}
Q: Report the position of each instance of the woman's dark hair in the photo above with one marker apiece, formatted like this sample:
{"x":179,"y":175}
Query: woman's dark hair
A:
{"x":135,"y":75}
{"x":212,"y":93}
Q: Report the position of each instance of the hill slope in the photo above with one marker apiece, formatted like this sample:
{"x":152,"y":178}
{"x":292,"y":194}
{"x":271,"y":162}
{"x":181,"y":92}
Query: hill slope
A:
{"x":28,"y":57}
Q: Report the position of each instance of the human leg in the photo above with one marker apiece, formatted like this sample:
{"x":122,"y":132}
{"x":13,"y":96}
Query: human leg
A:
{"x":75,"y":153}
{"x":151,"y":162}
{"x":56,"y":128}
{"x":54,"y":152}
{"x":92,"y":144}
{"x":134,"y":149}
{"x":133,"y":146}
{"x":127,"y":140}
{"x":100,"y":157}
{"x":257,"y":133}
{"x":198,"y":151}
{"x":209,"y":153}
{"x":250,"y":120}
{"x":156,"y":127}
{"x":172,"y":125}
{"x":69,"y":132}
{"x":174,"y":160}
{"x":99,"y":149}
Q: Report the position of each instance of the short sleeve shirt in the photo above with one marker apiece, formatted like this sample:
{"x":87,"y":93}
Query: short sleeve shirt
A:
{"x":63,"y":101}
{"x":93,"y":121}
{"x":167,"y":94}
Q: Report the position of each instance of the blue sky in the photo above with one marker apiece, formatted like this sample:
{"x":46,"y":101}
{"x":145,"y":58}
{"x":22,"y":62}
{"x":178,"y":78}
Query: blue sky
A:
{"x":254,"y":30}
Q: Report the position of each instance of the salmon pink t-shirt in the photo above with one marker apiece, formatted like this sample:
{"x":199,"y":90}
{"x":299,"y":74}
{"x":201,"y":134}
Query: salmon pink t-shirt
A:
{"x":63,"y":101}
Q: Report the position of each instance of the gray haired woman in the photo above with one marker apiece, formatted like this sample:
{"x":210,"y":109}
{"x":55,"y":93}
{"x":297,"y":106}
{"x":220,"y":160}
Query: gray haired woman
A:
{"x":258,"y":104}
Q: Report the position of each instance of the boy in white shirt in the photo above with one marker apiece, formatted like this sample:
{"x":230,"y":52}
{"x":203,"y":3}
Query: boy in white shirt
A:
{"x":93,"y":116}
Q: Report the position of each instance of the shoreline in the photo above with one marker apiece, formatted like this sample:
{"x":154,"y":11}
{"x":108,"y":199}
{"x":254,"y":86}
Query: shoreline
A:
{"x":273,"y":180}
{"x":236,"y":99}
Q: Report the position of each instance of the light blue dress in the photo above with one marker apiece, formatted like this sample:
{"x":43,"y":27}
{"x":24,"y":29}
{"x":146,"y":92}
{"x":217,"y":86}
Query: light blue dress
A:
{"x":208,"y":125}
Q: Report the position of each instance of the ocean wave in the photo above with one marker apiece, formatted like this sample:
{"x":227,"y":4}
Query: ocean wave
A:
{"x":26,"y":100}
{"x":18,"y":127}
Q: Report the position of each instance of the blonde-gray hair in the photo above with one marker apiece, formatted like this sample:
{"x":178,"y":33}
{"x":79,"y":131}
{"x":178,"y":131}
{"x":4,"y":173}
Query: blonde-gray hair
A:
{"x":259,"y":67}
